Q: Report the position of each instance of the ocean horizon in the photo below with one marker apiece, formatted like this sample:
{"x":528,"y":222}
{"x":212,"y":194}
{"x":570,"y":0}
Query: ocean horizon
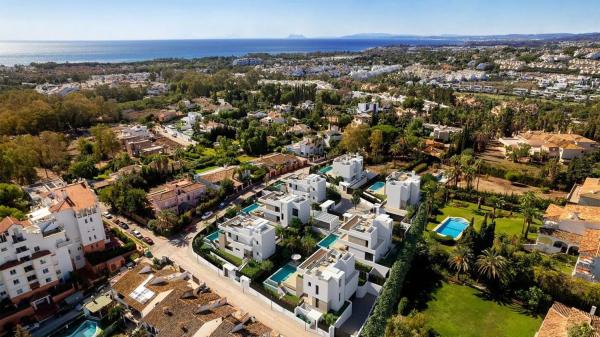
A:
{"x":26,"y":52}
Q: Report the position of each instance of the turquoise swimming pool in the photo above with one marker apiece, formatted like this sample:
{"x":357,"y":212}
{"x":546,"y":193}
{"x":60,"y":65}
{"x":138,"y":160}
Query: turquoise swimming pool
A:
{"x":88,"y":328}
{"x":214,"y":236}
{"x":279,"y":276}
{"x":328,"y":241}
{"x":325,"y":169}
{"x":452,"y":227}
{"x":249,"y":209}
{"x":376,"y":186}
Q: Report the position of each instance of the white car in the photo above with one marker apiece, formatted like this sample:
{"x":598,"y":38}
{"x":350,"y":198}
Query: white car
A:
{"x":207,"y":215}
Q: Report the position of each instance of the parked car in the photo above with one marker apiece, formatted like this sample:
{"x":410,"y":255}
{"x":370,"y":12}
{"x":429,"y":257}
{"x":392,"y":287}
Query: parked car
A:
{"x":148,"y":240}
{"x":137,"y":234}
{"x":107,"y":215}
{"x":124,"y":225}
{"x":207,"y":215}
{"x":117,"y":221}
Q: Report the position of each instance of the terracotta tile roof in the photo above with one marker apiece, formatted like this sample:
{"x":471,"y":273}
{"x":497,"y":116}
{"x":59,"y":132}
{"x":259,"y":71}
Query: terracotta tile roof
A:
{"x":76,"y":196}
{"x":174,"y":316}
{"x":127,"y":283}
{"x":170,"y":190}
{"x":276,"y":159}
{"x":565,"y":236}
{"x":590,"y":243}
{"x":252,"y":328}
{"x":560,"y":318}
{"x":9,"y":221}
{"x":572,"y":212}
{"x":220,"y":174}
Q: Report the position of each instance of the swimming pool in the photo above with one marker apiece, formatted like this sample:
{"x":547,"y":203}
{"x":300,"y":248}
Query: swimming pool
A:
{"x":376,"y":186}
{"x":452,"y":227}
{"x":88,"y":328}
{"x":249,"y":209}
{"x":214,"y":236}
{"x":328,"y":241}
{"x":325,"y":169}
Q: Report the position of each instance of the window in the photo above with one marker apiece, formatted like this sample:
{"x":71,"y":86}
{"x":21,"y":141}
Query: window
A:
{"x":4,"y":249}
{"x":316,"y":302}
{"x":340,"y":297}
{"x":28,"y":268}
{"x":78,"y":248}
{"x":31,"y":278}
{"x":16,"y":281}
{"x":21,"y":249}
{"x":78,"y":258}
{"x":13,"y":272}
{"x":2,"y":293}
{"x":45,"y":271}
{"x":48,"y":280}
{"x":309,"y":284}
{"x":317,"y":289}
{"x":42,"y":261}
{"x":36,"y":248}
{"x":294,"y":211}
{"x":19,"y":291}
{"x":89,"y":238}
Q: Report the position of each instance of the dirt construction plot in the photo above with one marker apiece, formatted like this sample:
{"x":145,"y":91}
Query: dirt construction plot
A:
{"x":503,"y":186}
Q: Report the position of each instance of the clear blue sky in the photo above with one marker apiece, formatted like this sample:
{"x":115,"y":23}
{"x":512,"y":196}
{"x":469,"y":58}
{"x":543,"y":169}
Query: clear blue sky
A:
{"x":153,"y":19}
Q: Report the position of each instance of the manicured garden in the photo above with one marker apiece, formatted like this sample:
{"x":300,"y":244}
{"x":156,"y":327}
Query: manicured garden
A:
{"x":461,"y":311}
{"x":505,"y":222}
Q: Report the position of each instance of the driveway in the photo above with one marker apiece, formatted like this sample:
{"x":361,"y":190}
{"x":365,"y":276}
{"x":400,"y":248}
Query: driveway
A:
{"x":361,"y":307}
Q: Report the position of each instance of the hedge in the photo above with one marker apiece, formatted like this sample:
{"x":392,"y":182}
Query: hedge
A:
{"x":516,"y":177}
{"x":387,"y":301}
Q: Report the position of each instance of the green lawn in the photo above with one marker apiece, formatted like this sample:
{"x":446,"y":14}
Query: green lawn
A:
{"x":461,"y":311}
{"x":511,"y":225}
{"x":245,"y":158}
{"x":206,"y":169}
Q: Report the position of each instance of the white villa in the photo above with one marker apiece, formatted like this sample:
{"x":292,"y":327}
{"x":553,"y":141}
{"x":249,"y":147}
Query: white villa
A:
{"x":369,"y":238}
{"x":309,"y":146}
{"x":350,"y":168}
{"x":282,"y":208}
{"x":247,"y":236}
{"x":441,"y":132}
{"x":311,"y":186}
{"x":327,"y":279}
{"x":402,"y":189}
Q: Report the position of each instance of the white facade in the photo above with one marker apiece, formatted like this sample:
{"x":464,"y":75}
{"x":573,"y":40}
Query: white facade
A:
{"x":247,"y":236}
{"x":366,"y":237}
{"x":51,"y":243}
{"x":312,"y":186}
{"x":371,"y":107}
{"x":329,"y":278}
{"x":282,"y":208}
{"x":350,"y":168}
{"x":308,"y":147}
{"x":402,"y":189}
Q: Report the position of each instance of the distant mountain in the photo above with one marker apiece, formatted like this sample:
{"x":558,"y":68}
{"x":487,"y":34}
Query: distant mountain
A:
{"x":473,"y":38}
{"x":296,"y":36}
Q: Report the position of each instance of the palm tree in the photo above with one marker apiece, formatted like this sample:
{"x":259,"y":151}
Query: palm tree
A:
{"x":460,"y":259}
{"x":116,"y":312}
{"x":356,"y":198}
{"x":396,"y":149}
{"x":497,"y":203}
{"x":165,"y":220}
{"x":529,"y":211}
{"x":21,"y":332}
{"x":491,"y":265}
{"x":477,"y":165}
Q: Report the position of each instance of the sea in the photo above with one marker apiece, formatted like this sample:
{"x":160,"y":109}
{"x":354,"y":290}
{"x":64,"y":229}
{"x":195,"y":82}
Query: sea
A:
{"x":26,"y":52}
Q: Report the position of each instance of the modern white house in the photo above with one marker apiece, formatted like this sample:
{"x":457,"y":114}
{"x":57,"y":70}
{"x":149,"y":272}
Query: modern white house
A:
{"x":349,"y":167}
{"x":402,"y":189}
{"x":327,"y":279}
{"x":37,"y":253}
{"x":309,"y":146}
{"x":368,"y":238}
{"x":441,"y":132}
{"x":311,"y":186}
{"x":282,"y":208}
{"x":369,"y":108}
{"x":248,"y":236}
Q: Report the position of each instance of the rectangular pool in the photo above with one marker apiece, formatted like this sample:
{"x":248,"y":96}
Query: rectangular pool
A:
{"x":376,"y":186}
{"x":325,"y":169}
{"x":328,"y":241}
{"x":214,"y":236}
{"x":452,"y":227}
{"x":283,"y":273}
{"x":249,"y":209}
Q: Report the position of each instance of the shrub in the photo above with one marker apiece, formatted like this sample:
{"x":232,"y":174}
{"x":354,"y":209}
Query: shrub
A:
{"x":420,"y":168}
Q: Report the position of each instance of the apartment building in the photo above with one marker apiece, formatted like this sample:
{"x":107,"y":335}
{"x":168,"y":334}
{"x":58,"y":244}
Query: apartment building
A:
{"x":327,"y":279}
{"x":402,"y":189}
{"x":39,"y":253}
{"x":248,"y":236}
{"x":367,"y":237}
{"x":564,"y":146}
{"x":311,"y":186}
{"x":177,"y":196}
{"x":282,"y":208}
{"x":349,"y":167}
